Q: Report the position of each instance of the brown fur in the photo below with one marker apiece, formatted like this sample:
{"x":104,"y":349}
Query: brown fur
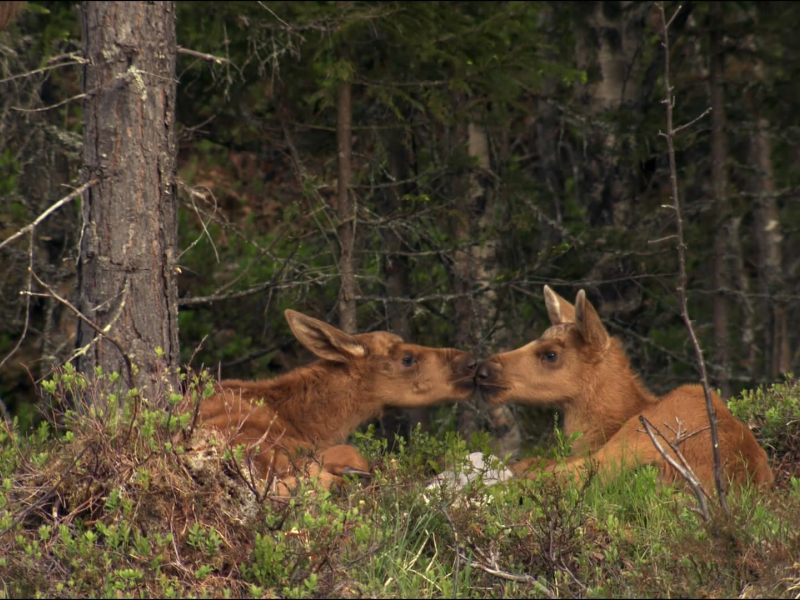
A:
{"x":315,"y":407}
{"x":8,"y":10}
{"x":577,"y":367}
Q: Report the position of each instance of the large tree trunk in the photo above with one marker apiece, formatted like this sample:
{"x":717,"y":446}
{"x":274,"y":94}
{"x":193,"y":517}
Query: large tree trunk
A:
{"x":719,"y":176}
{"x":127,"y":253}
{"x":345,"y":211}
{"x":481,"y":326}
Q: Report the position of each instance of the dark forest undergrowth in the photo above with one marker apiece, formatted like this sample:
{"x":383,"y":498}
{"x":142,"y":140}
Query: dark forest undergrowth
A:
{"x":120,"y":501}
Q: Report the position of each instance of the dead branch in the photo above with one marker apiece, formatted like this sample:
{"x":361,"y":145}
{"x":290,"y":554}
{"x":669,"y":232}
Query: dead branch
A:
{"x":683,"y":467}
{"x":83,"y":318}
{"x":303,"y":178}
{"x":693,"y":121}
{"x":498,"y":572}
{"x":428,"y":298}
{"x":192,"y":193}
{"x":244,"y":293}
{"x":282,"y":343}
{"x":670,"y":136}
{"x":78,"y":61}
{"x":50,"y":210}
{"x":52,"y":106}
{"x":202,"y":55}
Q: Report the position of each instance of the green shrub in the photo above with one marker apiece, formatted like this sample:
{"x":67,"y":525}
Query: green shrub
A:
{"x":773,"y":412}
{"x":109,"y":501}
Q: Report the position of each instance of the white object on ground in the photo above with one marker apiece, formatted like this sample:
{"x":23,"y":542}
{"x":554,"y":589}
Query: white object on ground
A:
{"x":479,"y":464}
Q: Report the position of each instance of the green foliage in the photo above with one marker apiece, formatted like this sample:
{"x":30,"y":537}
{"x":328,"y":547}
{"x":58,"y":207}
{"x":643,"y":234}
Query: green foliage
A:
{"x":774,"y":414}
{"x":125,"y":518}
{"x":129,"y":512}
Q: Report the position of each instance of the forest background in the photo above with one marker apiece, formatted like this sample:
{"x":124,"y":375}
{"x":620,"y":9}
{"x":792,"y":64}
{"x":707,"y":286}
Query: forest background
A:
{"x":419,"y":167}
{"x":495,"y":147}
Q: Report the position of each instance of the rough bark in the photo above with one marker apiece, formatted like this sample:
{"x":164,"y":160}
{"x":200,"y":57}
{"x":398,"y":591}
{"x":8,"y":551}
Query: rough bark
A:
{"x":719,"y":176}
{"x":126,"y":269}
{"x":346,"y":211}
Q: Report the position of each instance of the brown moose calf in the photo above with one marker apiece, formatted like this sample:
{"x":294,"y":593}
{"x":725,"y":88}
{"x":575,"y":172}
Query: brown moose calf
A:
{"x":576,"y":366}
{"x":315,"y":407}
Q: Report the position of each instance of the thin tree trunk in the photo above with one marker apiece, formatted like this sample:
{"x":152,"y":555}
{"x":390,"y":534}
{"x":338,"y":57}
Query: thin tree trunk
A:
{"x":719,"y":175}
{"x":476,"y":268}
{"x":742,"y":281}
{"x":127,"y":251}
{"x":398,"y":421}
{"x":770,"y":255}
{"x":771,"y":283}
{"x":346,"y":211}
{"x":609,"y":43}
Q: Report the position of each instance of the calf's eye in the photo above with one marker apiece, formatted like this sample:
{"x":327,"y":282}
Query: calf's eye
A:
{"x":549,"y":356}
{"x":408,"y":361}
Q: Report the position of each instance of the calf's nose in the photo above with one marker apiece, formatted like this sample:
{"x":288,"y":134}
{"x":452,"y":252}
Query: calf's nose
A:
{"x":483,"y":372}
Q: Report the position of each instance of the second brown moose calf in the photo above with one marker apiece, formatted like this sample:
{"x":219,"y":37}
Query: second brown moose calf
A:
{"x":576,"y":366}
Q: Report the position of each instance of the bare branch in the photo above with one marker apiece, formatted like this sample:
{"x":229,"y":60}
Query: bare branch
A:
{"x":430,"y":297}
{"x":258,"y":353}
{"x":670,"y":135}
{"x":80,"y":315}
{"x":663,"y":239}
{"x":248,"y":292}
{"x":78,"y":61}
{"x":683,"y":467}
{"x":51,"y":106}
{"x":50,"y":210}
{"x":497,"y":572}
{"x":667,"y":25}
{"x":192,"y":192}
{"x":692,"y":122}
{"x":202,"y":55}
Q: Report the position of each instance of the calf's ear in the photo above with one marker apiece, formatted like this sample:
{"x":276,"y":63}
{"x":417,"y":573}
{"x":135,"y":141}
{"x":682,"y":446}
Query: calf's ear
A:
{"x":589,"y":324}
{"x":326,"y":341}
{"x":558,"y":309}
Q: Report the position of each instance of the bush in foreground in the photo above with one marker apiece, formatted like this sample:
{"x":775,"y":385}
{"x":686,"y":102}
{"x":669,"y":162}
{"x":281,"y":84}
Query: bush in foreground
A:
{"x":118,"y":501}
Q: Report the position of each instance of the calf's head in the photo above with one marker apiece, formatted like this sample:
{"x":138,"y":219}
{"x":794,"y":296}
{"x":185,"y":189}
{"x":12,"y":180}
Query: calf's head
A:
{"x":557,"y":367}
{"x":383,"y":370}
